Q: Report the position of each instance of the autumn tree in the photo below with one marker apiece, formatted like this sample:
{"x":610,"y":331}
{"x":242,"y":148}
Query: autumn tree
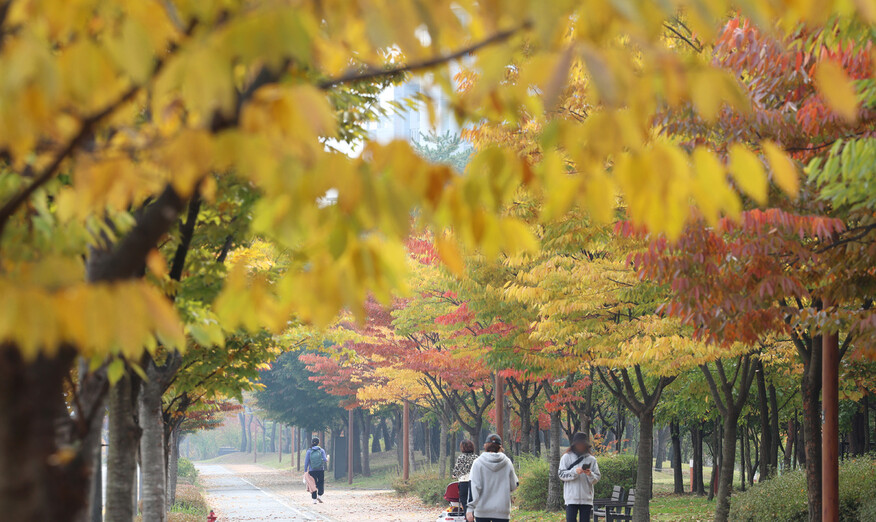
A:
{"x":769,"y":273}
{"x":117,"y":114}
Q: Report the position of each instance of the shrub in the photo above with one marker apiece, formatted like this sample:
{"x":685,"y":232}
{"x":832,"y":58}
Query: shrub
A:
{"x":429,"y":488}
{"x":403,"y":487}
{"x":617,"y":470}
{"x":783,"y":498}
{"x":189,"y":499}
{"x":531,"y":495}
{"x":186,"y":471}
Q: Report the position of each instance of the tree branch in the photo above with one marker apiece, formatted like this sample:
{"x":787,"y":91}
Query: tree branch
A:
{"x":713,"y":388}
{"x":187,"y":232}
{"x":371,"y":73}
{"x":86,"y":128}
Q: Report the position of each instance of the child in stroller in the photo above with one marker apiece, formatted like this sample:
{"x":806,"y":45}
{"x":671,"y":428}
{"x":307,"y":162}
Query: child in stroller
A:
{"x":454,"y":513}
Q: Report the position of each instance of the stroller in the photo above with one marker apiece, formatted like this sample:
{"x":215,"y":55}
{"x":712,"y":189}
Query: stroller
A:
{"x":455,"y":512}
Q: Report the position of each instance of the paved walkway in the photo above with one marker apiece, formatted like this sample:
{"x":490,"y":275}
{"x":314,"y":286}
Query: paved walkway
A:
{"x":250,"y":492}
{"x":236,"y":499}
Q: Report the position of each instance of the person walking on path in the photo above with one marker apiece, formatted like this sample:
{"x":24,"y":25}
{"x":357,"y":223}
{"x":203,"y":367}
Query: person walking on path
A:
{"x":462,"y":469}
{"x":579,"y":472}
{"x":315,"y":461}
{"x":492,"y":481}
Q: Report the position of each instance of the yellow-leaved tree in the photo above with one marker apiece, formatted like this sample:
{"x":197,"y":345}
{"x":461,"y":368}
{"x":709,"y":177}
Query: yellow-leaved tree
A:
{"x":115,"y":113}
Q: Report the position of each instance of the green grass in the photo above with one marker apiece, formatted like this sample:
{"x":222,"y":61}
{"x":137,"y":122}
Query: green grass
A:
{"x":676,"y":508}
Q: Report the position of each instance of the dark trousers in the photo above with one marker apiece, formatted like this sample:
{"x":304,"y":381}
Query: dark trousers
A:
{"x":481,"y":519}
{"x":318,"y":477}
{"x":572,"y":511}
{"x":464,"y":489}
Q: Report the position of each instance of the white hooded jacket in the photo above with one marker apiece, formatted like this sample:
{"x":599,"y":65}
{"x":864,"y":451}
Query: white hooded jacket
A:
{"x":578,"y":489}
{"x":492,"y":481}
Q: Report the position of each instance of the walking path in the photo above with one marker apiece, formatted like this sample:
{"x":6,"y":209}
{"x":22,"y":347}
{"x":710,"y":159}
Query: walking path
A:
{"x":250,"y":492}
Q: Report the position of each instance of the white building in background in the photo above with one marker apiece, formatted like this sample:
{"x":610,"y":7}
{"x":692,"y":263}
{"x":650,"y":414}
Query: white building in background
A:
{"x":408,"y":123}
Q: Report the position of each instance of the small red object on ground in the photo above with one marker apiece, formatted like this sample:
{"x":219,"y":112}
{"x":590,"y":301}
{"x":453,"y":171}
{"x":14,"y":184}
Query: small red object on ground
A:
{"x":211,"y":517}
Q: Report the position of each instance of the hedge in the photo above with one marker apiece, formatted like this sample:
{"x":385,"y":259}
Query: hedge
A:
{"x":783,"y":498}
{"x":616,"y":469}
{"x":186,"y":471}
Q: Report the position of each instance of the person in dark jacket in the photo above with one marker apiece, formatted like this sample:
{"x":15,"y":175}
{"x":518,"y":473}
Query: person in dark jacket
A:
{"x":315,"y":462}
{"x":462,"y":469}
{"x":579,"y":473}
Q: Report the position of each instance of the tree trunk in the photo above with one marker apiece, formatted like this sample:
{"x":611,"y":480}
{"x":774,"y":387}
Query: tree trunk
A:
{"x":365,"y":421}
{"x":273,"y":446}
{"x":728,"y":458}
{"x":92,"y":444}
{"x":858,"y":434}
{"x":33,"y":485}
{"x":619,"y":426}
{"x":696,"y":439}
{"x":387,"y":436}
{"x":411,"y":452}
{"x":536,"y":438}
{"x":677,"y":474}
{"x":645,"y":454}
{"x":442,"y":446}
{"x":525,"y":426}
{"x":555,"y":485}
{"x":716,"y":459}
{"x":173,"y":466}
{"x":774,"y":430}
{"x":660,"y":453}
{"x":152,"y":452}
{"x":124,"y":437}
{"x":789,"y":447}
{"x":766,"y":469}
{"x":94,"y":513}
{"x":810,"y":391}
{"x":742,"y":450}
{"x":243,"y":438}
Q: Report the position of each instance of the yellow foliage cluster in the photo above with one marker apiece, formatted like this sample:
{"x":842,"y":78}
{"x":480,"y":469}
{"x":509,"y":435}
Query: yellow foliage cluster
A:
{"x":104,"y":104}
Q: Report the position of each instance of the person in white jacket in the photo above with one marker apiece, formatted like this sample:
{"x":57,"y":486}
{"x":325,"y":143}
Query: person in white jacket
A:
{"x":579,"y":472}
{"x":492,"y":481}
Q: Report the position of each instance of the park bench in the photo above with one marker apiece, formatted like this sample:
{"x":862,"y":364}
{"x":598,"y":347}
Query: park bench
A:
{"x":599,"y":511}
{"x":617,"y":511}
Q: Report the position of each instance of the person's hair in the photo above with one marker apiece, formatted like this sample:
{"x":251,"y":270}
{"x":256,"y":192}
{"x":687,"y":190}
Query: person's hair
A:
{"x":466,"y":446}
{"x":492,"y":447}
{"x":314,"y":442}
{"x":586,"y":443}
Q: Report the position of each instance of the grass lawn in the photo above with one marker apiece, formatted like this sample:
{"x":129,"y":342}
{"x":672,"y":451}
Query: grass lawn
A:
{"x":684,"y":508}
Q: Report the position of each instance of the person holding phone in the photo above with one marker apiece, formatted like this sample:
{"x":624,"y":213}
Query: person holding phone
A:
{"x":579,"y":472}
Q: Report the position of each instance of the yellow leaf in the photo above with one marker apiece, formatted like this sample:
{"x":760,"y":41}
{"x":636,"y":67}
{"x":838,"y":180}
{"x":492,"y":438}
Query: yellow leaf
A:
{"x":748,"y":172}
{"x":449,"y":254}
{"x":784,"y":170}
{"x":115,"y":371}
{"x":132,"y":51}
{"x":837,"y":88}
{"x":156,"y":263}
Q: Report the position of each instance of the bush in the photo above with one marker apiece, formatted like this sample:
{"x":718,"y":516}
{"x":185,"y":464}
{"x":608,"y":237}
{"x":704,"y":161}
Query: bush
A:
{"x":190,"y":500}
{"x":783,"y":498}
{"x":186,"y":471}
{"x":617,"y":470}
{"x":429,"y":488}
{"x":533,"y":474}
